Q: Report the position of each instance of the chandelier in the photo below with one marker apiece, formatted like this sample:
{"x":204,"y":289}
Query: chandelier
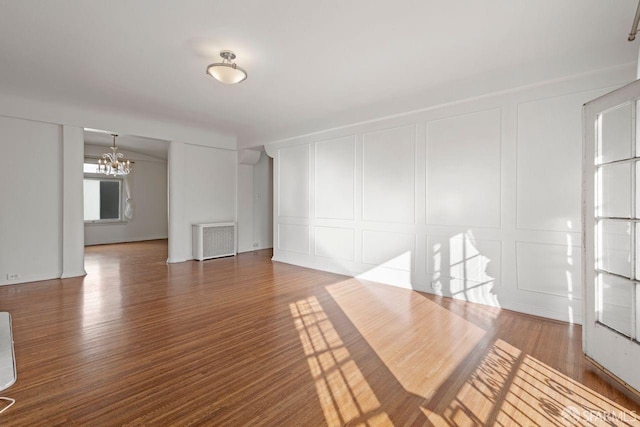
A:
{"x":114,"y":163}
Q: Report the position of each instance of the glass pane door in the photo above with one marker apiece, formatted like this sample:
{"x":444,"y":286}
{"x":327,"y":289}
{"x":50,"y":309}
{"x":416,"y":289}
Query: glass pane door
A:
{"x":611,"y":250}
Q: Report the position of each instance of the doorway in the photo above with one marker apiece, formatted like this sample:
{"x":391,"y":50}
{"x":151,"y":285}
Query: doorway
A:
{"x":130,"y":207}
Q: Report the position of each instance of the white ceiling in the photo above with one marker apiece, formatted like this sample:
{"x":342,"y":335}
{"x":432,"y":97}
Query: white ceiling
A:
{"x":311,"y":64}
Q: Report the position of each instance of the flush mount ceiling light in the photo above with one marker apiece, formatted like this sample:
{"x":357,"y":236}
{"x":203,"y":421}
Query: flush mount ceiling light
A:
{"x":227,"y":71}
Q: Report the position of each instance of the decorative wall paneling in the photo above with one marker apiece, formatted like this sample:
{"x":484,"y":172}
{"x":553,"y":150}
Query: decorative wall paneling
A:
{"x":477,"y":200}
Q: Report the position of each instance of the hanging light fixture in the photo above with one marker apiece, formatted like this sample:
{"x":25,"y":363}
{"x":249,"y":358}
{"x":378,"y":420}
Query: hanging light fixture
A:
{"x":227,"y":71}
{"x":114,"y":163}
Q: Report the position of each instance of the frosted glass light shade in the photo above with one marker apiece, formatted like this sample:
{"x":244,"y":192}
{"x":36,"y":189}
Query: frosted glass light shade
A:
{"x":227,"y":73}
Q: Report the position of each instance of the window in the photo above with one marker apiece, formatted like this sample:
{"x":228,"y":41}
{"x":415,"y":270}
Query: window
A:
{"x":102,"y":196}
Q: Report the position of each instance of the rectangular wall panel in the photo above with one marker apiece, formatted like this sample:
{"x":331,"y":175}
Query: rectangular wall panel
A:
{"x":293,"y":238}
{"x":293,"y":181}
{"x":463,"y":170}
{"x":332,"y":242}
{"x":391,"y":250}
{"x":461,"y":256}
{"x":334,"y":171}
{"x":549,"y":268}
{"x":388,"y":175}
{"x":549,"y":163}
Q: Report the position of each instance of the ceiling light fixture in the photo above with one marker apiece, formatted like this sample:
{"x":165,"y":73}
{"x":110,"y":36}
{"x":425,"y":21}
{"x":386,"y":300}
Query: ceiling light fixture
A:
{"x":114,"y":163}
{"x":227,"y":71}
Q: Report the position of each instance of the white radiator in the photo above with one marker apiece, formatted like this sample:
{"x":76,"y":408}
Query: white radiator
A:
{"x":214,"y":240}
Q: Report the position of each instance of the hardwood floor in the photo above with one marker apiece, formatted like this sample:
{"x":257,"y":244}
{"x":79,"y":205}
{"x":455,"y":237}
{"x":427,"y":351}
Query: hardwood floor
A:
{"x":244,"y":341}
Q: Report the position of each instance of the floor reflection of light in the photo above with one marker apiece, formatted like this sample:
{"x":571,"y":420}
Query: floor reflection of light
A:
{"x":422,"y":344}
{"x":511,"y":388}
{"x":400,"y":327}
{"x":343,"y":392}
{"x":99,"y":294}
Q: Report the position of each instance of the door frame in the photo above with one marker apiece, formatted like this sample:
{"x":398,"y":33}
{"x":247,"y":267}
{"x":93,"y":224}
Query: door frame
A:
{"x":613,"y":351}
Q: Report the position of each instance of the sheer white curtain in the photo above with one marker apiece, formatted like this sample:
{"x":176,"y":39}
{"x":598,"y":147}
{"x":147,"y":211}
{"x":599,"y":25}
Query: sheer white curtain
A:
{"x":129,"y":206}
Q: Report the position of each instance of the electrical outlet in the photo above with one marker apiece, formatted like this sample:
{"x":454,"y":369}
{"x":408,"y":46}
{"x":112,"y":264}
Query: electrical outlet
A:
{"x":13,"y":276}
{"x":255,"y":244}
{"x":436,"y":285}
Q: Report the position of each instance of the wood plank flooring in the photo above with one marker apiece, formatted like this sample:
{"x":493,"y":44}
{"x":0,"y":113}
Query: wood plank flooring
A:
{"x":244,"y":341}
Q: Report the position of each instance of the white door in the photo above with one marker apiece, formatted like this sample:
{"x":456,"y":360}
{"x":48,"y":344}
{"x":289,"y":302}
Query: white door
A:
{"x":611,"y":221}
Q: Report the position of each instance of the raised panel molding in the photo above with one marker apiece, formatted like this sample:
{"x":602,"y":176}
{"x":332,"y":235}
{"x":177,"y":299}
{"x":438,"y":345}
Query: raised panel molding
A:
{"x":462,"y":256}
{"x":464,"y":267}
{"x":388,"y":175}
{"x":293,"y":238}
{"x":293,"y":181}
{"x":549,"y":269}
{"x":549,"y":162}
{"x":477,"y":181}
{"x":335,"y":178}
{"x":334,"y":242}
{"x":464,"y":170}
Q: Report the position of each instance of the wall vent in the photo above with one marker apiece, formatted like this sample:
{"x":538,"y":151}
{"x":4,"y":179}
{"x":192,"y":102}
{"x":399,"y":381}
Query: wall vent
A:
{"x":214,"y":240}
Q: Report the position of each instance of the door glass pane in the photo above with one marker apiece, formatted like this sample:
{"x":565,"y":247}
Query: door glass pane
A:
{"x":616,"y":297}
{"x":637,"y":133}
{"x":637,"y":312}
{"x":614,"y":190}
{"x":614,"y":247}
{"x":636,"y":242}
{"x":614,"y":141}
{"x":637,"y":196}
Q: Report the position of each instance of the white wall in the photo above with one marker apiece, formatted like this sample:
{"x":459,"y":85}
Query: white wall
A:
{"x":72,"y":202}
{"x":255,"y":205}
{"x":149,"y":179}
{"x":202,"y":189}
{"x":245,"y":208}
{"x":263,"y":203}
{"x":59,"y":230}
{"x":479,"y":200}
{"x":30,"y":200}
{"x":31,"y":126}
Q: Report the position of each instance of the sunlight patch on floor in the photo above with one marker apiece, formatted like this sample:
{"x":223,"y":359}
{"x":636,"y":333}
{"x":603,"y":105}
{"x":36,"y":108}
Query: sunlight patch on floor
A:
{"x":509,"y":388}
{"x":420,"y":342}
{"x":343,"y":392}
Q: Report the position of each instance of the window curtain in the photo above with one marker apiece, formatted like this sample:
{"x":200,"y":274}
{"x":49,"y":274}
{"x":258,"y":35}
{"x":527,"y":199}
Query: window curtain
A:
{"x":129,"y":206}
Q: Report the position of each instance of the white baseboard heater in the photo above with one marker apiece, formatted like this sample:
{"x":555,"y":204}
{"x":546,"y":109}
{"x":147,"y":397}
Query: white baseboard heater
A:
{"x":214,"y":240}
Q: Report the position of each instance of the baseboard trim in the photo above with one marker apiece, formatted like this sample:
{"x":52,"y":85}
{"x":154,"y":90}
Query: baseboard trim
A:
{"x":31,"y":278}
{"x":74,"y":274}
{"x":607,"y":372}
{"x":176,"y":260}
